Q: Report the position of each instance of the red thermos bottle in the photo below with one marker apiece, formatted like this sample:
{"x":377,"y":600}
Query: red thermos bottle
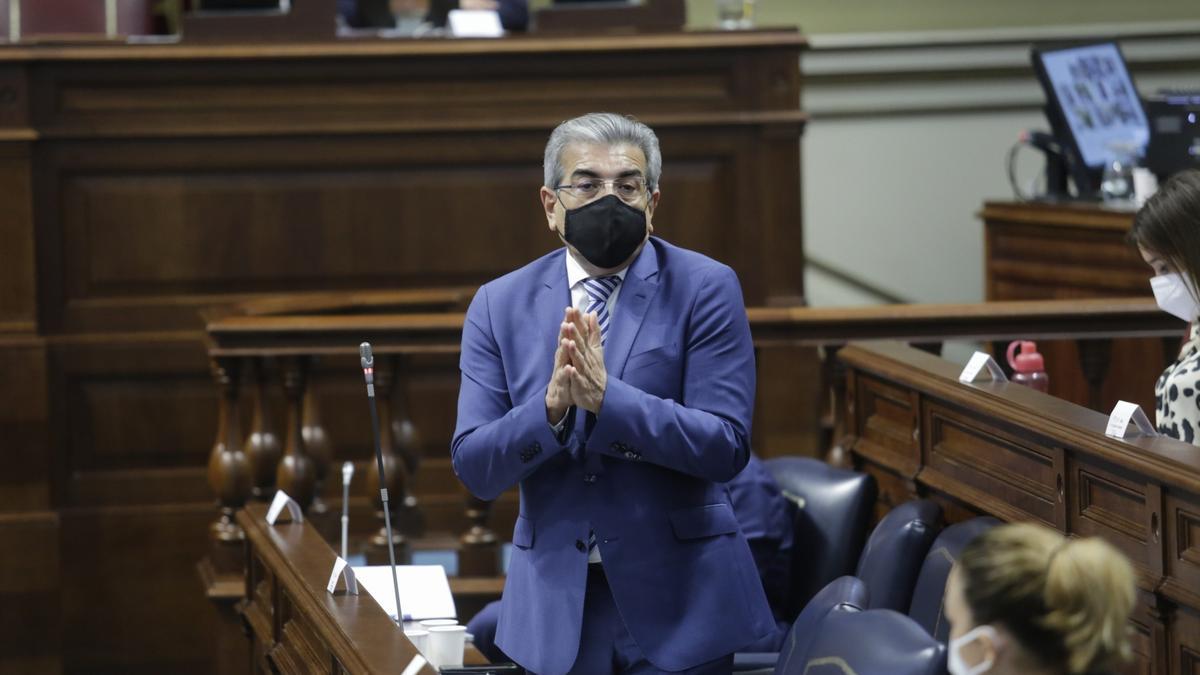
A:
{"x":1028,"y":367}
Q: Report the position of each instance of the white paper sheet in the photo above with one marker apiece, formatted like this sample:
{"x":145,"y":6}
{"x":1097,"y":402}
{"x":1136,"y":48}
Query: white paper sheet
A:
{"x":424,"y":590}
{"x":475,"y":23}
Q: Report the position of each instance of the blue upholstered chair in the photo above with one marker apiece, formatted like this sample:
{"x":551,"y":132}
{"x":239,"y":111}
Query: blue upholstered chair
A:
{"x":874,"y":642}
{"x":832,"y":517}
{"x":927,"y":601}
{"x":843,"y":594}
{"x":895,"y":551}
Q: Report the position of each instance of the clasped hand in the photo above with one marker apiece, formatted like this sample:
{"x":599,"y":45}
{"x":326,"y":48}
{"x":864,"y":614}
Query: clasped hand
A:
{"x":579,"y":377}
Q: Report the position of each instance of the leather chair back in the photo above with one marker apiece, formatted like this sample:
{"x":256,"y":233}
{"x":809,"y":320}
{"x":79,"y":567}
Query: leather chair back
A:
{"x":833,"y":512}
{"x":928,"y":608}
{"x":894,"y":553}
{"x":844,"y":594}
{"x":874,"y":642}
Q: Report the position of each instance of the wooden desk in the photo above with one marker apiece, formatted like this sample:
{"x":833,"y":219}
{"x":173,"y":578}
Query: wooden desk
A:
{"x":143,"y":182}
{"x":1020,"y":455}
{"x":1037,"y":251}
{"x":296,"y":626}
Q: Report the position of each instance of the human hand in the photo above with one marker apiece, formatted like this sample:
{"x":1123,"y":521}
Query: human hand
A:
{"x":588,"y":376}
{"x":558,"y":392}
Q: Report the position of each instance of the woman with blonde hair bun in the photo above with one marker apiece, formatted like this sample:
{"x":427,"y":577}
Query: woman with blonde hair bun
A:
{"x":1024,"y":599}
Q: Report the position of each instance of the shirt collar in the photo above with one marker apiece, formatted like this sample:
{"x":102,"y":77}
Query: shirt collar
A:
{"x":576,"y":273}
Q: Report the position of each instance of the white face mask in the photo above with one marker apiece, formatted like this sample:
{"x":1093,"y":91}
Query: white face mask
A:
{"x":1174,"y":297}
{"x":955,"y":663}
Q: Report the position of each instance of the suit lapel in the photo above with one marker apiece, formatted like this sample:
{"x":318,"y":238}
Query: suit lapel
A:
{"x":637,"y":291}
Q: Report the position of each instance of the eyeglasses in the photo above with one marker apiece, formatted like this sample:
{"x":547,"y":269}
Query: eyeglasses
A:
{"x":629,"y":189}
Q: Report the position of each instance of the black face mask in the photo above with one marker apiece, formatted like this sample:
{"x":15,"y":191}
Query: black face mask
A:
{"x":606,"y":232}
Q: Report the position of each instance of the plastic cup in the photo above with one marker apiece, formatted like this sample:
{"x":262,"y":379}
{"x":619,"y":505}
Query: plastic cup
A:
{"x":430,"y":623}
{"x":419,"y":637}
{"x":446,"y":645}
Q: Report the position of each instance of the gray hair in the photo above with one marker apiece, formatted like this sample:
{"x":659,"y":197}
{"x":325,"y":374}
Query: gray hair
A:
{"x":603,"y":129}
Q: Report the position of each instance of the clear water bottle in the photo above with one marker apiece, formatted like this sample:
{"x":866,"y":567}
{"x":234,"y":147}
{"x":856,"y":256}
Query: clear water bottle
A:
{"x":1116,"y":182}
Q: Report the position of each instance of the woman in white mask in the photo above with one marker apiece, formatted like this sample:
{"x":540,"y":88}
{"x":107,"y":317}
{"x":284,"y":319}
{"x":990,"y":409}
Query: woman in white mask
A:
{"x":1166,"y":231}
{"x":1024,"y":599}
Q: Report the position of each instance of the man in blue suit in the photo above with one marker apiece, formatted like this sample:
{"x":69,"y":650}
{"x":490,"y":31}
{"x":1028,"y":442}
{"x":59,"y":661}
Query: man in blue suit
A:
{"x":613,"y":380}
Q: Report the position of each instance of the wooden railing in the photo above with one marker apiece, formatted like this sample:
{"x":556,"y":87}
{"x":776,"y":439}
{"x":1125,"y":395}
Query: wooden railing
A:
{"x":244,"y":467}
{"x":1005,"y":450}
{"x":1091,"y":323}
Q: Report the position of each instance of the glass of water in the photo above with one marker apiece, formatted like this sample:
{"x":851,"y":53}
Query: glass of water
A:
{"x":1116,"y":181}
{"x":735,"y":14}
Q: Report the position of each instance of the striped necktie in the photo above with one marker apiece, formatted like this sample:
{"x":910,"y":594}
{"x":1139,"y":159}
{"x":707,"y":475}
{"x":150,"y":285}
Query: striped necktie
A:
{"x":599,"y":290}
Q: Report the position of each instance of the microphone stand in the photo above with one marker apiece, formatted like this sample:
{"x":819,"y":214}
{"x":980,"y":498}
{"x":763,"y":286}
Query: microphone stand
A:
{"x":368,"y":366}
{"x":347,"y":473}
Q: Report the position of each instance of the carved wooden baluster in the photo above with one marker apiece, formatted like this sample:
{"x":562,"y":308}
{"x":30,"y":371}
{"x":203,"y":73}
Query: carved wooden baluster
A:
{"x":396,"y":475}
{"x":835,"y":375}
{"x":1094,"y":358}
{"x":480,"y":553}
{"x":316,"y":446}
{"x":262,"y":445}
{"x":296,"y":474}
{"x":406,"y":442}
{"x":228,"y":469}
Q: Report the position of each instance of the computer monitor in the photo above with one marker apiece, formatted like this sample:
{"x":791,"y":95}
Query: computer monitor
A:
{"x":1092,"y":104}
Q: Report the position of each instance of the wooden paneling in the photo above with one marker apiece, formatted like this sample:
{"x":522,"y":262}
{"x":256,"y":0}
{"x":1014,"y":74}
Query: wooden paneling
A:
{"x":887,"y":431}
{"x":1185,"y":643}
{"x":139,"y":561}
{"x":29,"y":593}
{"x":992,"y":467}
{"x":1106,"y":502}
{"x":17,"y":279}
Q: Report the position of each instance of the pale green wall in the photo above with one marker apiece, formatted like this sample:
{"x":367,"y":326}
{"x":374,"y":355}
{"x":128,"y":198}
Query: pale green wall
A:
{"x":869,"y":16}
{"x":872,"y":16}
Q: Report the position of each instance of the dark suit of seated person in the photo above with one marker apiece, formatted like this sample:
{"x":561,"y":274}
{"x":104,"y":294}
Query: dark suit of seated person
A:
{"x":514,"y":14}
{"x":765,"y":517}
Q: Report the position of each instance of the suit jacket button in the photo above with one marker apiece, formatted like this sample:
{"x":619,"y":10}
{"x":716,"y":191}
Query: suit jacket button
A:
{"x":629,"y":454}
{"x":580,"y":545}
{"x":617,"y":446}
{"x":589,"y":478}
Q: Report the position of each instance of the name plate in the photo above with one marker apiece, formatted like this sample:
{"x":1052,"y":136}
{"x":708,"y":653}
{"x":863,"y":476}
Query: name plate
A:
{"x":475,"y":23}
{"x":1122,"y":414}
{"x":281,"y":502}
{"x":978,"y":363}
{"x":342,"y":571}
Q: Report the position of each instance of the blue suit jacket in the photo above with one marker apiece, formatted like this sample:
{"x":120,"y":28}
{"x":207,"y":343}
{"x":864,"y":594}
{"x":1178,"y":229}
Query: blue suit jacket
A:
{"x":643,"y":473}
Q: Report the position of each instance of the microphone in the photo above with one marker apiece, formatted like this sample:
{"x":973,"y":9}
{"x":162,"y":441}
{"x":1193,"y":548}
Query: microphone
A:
{"x":347,"y":473}
{"x":368,"y":366}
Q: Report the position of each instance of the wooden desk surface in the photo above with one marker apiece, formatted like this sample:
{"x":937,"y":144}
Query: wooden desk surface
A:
{"x":297,"y":625}
{"x":1060,"y":214}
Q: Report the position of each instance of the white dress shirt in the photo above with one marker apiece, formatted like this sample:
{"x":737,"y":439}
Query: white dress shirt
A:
{"x":579,"y":296}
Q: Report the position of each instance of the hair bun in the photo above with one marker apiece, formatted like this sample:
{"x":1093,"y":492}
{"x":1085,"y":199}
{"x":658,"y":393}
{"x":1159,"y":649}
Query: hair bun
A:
{"x":1089,"y":594}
